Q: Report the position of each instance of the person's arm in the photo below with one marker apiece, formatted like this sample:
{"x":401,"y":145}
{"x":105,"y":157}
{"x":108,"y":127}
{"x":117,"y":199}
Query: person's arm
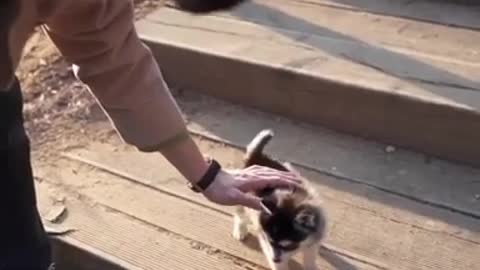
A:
{"x":99,"y":37}
{"x":190,"y":162}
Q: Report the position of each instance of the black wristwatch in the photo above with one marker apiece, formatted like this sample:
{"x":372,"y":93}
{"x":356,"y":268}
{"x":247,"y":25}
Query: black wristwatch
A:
{"x":208,"y":178}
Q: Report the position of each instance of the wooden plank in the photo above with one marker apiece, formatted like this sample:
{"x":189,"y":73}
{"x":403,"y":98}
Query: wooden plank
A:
{"x":378,"y":239}
{"x":72,"y":254}
{"x":140,"y":245}
{"x":464,"y":13}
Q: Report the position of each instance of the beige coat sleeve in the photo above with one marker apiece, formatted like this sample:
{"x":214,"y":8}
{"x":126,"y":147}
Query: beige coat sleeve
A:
{"x":98,"y":36}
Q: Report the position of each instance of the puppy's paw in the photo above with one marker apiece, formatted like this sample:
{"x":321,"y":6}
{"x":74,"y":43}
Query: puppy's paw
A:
{"x":240,"y":232}
{"x":240,"y":224}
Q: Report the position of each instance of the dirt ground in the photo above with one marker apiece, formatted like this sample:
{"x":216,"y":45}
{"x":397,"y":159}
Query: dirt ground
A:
{"x":56,"y":105}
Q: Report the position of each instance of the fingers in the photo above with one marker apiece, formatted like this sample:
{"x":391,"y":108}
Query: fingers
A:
{"x":257,"y":177}
{"x":269,"y":173}
{"x":258,"y":184}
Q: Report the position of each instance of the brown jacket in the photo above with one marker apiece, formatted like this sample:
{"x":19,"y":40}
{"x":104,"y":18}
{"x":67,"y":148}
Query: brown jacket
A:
{"x":98,"y":36}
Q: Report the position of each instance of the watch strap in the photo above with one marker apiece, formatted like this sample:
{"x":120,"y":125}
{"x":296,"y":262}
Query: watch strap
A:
{"x":208,"y":178}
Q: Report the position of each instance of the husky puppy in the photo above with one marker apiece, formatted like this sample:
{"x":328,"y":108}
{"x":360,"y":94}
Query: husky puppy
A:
{"x":293,"y":221}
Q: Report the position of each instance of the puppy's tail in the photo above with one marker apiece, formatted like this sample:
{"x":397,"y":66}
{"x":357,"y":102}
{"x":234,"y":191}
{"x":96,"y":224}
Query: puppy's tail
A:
{"x":256,"y":146}
{"x":255,"y":155}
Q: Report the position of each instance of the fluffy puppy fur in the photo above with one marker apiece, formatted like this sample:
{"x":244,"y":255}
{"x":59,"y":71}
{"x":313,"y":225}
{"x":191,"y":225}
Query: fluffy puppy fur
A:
{"x":296,"y":222}
{"x":206,"y":6}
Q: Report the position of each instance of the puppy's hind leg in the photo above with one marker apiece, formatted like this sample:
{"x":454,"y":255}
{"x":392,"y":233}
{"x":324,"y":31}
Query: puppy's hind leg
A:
{"x":240,"y":224}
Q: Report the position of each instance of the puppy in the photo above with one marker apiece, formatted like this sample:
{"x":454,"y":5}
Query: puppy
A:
{"x":293,"y":221}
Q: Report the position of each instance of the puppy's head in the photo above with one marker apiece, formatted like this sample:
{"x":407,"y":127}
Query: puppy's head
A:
{"x":206,"y":6}
{"x":294,"y":222}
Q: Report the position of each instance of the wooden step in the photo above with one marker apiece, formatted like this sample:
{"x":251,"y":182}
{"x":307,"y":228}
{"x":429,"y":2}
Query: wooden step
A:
{"x":380,"y":75}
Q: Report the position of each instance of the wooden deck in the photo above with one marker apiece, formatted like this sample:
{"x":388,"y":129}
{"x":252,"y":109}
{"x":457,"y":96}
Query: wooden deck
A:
{"x":386,"y":210}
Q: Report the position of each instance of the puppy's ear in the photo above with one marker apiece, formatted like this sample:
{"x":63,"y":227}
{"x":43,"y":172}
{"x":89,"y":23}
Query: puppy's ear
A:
{"x":290,"y":167}
{"x":307,"y":219}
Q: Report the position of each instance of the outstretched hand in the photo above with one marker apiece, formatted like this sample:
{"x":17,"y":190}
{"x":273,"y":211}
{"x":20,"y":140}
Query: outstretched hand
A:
{"x":233,"y":187}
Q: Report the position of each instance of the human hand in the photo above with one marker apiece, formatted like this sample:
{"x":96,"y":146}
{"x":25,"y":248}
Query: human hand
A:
{"x":232,"y":187}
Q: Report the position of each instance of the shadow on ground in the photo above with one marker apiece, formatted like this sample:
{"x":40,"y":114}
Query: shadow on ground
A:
{"x":421,"y":10}
{"x":381,"y":59}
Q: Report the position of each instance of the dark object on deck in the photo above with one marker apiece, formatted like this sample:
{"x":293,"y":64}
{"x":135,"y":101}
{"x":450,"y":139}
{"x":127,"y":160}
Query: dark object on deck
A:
{"x":206,"y":6}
